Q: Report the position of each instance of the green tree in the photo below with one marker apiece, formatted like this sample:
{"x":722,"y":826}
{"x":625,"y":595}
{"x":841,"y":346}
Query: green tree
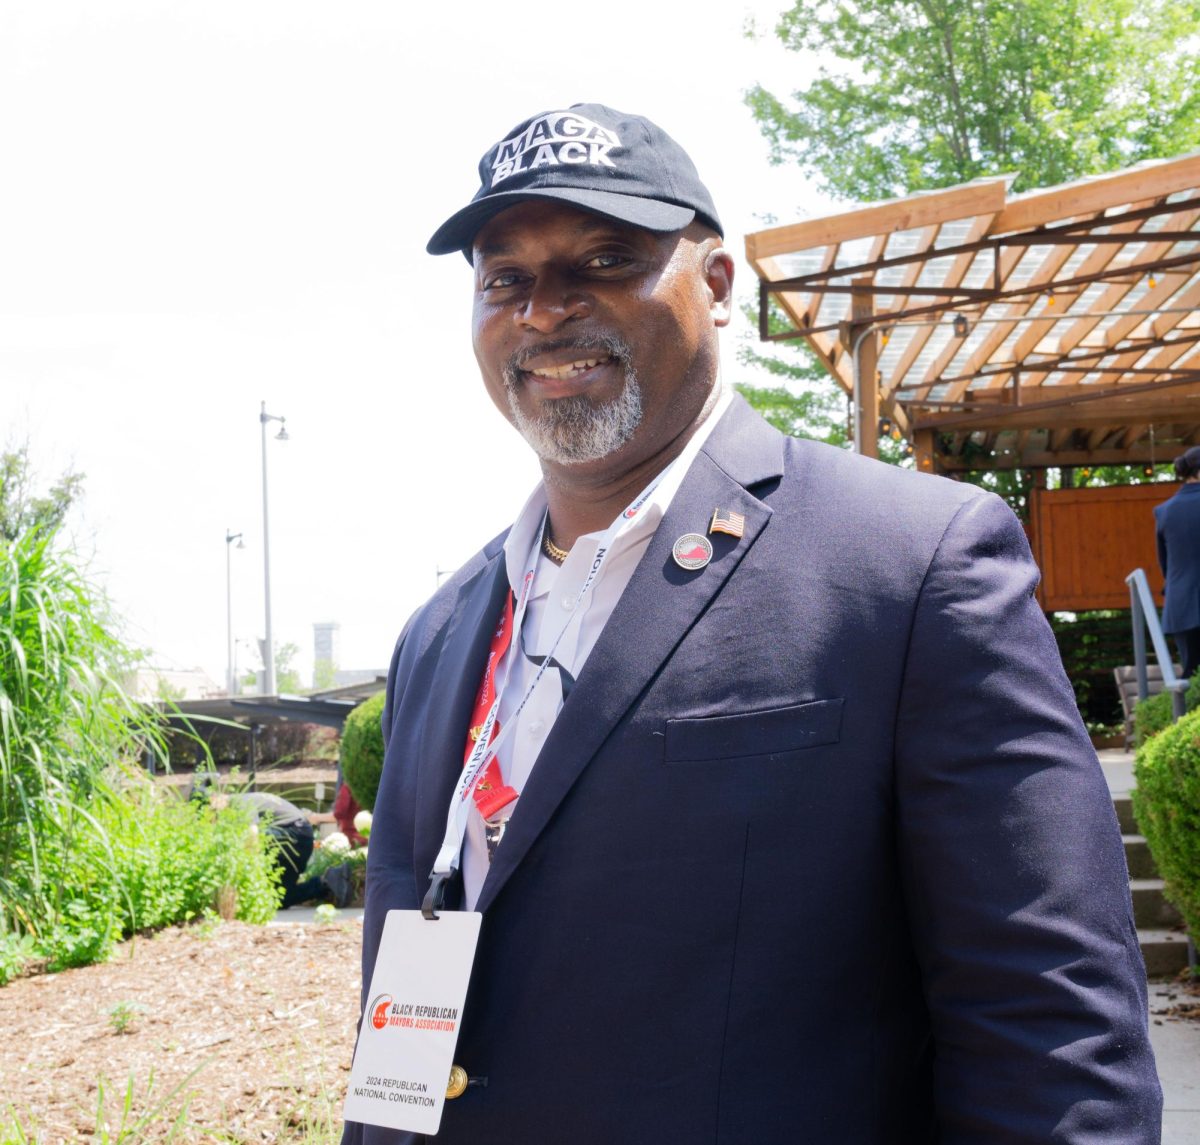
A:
{"x":324,"y":675}
{"x":910,"y":95}
{"x":287,"y":677}
{"x":21,"y":508}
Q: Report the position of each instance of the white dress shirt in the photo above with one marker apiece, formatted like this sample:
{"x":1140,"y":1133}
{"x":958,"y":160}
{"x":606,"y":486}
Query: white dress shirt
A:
{"x":554,"y":607}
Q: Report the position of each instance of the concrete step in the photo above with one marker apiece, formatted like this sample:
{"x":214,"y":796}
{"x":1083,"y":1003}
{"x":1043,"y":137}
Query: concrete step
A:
{"x":1138,"y":858}
{"x":1124,"y":808}
{"x":1150,"y":908}
{"x":1164,"y":951}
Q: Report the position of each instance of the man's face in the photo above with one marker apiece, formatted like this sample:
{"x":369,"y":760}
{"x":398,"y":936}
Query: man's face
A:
{"x":595,"y":338}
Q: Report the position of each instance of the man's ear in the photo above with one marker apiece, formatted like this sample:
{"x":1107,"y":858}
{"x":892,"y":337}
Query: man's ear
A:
{"x":718,"y":276}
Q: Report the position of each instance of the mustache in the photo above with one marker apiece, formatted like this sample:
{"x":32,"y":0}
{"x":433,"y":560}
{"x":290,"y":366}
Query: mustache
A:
{"x":588,"y":344}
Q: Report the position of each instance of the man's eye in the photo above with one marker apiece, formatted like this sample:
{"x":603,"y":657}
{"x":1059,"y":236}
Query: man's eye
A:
{"x":502,"y":281}
{"x":605,"y":261}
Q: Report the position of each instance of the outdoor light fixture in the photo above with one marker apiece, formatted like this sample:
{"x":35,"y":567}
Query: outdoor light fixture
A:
{"x":960,"y":326}
{"x":885,"y":426}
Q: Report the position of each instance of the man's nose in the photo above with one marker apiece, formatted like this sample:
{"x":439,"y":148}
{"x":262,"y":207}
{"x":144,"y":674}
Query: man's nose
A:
{"x":553,"y":301}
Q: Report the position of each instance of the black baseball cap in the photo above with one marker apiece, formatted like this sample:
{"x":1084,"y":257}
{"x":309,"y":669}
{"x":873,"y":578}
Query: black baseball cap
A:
{"x":605,"y":161}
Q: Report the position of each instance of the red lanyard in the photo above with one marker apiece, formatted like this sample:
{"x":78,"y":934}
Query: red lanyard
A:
{"x":491,"y":793}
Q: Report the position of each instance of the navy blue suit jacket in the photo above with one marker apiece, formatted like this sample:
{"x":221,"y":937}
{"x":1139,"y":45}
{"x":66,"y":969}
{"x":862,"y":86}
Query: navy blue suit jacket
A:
{"x":817,"y":851}
{"x":1178,"y":537}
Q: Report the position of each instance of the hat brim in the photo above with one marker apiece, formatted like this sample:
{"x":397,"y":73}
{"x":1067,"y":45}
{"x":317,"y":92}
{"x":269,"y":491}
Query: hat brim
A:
{"x":458,"y":232}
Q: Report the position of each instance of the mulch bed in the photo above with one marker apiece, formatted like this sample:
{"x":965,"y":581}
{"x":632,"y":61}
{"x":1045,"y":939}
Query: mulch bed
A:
{"x":224,"y":1031}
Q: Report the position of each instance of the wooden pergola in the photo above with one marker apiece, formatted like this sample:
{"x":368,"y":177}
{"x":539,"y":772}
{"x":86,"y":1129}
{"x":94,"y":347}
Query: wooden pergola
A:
{"x":1055,"y":328}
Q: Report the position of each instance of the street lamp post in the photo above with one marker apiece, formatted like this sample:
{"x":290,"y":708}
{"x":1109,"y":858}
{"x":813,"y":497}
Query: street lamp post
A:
{"x":269,"y":646}
{"x":230,"y":676}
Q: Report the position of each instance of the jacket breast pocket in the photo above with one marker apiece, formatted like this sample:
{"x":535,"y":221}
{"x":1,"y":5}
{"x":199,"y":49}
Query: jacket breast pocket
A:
{"x":773,"y":731}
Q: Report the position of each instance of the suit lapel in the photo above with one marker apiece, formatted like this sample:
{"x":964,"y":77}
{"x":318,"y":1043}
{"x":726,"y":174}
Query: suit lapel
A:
{"x":461,"y":659}
{"x":659,"y":605}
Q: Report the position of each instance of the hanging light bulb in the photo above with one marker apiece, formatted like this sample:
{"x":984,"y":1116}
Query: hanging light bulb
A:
{"x":960,"y":326}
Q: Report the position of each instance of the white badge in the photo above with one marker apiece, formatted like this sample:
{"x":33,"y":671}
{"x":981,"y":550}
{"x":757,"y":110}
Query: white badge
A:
{"x":410,"y":1027}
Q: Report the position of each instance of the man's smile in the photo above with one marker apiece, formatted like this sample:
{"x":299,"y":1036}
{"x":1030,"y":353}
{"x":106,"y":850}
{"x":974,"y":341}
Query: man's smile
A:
{"x":568,"y":369}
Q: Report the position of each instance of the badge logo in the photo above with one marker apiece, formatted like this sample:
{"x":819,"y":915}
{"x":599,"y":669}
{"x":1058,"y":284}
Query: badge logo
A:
{"x":692,"y":551}
{"x":379,"y":1010}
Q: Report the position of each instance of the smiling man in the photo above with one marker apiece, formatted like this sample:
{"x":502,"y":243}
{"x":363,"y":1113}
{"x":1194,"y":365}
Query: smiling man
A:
{"x":754,"y":757}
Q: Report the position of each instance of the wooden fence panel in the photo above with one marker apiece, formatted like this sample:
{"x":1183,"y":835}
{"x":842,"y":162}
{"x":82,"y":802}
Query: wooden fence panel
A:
{"x":1086,"y":541}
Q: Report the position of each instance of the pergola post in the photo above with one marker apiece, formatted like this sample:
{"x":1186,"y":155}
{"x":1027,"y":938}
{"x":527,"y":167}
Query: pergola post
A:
{"x":923,"y":447}
{"x":864,"y":352}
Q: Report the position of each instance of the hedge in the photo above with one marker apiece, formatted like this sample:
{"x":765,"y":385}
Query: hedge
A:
{"x":1153,"y":714}
{"x":1166,"y":802}
{"x":362,"y":751}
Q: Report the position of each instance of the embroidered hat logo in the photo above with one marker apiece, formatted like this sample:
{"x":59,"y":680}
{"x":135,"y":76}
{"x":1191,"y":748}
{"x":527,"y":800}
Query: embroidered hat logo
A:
{"x":554,"y":138}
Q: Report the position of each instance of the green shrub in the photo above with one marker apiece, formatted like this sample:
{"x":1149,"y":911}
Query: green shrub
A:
{"x":362,"y":751}
{"x":151,"y":860}
{"x":91,"y":850}
{"x":1166,"y":802}
{"x":1154,"y":713}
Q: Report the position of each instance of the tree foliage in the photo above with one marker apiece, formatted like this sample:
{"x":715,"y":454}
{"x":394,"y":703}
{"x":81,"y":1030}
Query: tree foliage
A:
{"x":929,"y":93}
{"x":911,"y":95}
{"x":21,"y":507}
{"x":287,"y":676}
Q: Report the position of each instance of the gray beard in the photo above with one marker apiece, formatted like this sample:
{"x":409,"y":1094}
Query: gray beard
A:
{"x":572,"y":430}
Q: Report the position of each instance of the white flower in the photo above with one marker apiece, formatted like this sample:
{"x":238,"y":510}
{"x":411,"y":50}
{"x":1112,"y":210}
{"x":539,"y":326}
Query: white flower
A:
{"x":362,"y":822}
{"x":336,"y":844}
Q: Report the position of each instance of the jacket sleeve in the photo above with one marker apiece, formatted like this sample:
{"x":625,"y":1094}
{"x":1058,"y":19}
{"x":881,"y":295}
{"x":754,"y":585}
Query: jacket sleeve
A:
{"x":1012,"y":865}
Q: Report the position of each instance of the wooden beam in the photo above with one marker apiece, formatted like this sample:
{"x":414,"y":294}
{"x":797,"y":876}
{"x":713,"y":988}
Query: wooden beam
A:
{"x":863,"y":342}
{"x":1089,"y":416}
{"x":1152,"y":179}
{"x":1043,"y":459}
{"x":985,"y":196}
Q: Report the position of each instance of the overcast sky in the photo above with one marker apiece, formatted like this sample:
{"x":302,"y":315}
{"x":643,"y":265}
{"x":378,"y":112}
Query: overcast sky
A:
{"x":206,"y":205}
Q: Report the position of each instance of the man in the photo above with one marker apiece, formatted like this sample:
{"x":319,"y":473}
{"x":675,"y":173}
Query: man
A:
{"x":1177,"y":533}
{"x":794,"y":834}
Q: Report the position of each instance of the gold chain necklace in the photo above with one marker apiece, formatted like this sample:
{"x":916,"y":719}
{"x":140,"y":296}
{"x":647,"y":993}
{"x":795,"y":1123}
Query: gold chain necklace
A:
{"x":551,"y":550}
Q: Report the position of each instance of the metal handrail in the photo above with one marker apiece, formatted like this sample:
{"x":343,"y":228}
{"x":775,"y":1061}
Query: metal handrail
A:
{"x":1145,"y":617}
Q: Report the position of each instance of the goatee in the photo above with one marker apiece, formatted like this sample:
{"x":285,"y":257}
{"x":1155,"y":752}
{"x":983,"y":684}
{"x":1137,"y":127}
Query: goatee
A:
{"x":572,"y":430}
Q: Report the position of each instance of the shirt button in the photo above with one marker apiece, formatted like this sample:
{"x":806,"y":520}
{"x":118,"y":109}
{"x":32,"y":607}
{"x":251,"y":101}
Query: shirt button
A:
{"x":568,"y":603}
{"x":536,"y":726}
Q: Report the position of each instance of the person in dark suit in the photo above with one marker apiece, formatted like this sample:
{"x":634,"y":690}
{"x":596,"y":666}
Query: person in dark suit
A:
{"x":794,"y":833}
{"x":1177,"y":530}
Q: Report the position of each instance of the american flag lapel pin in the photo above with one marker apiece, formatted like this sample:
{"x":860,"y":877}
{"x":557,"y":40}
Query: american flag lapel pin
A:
{"x":727,"y":521}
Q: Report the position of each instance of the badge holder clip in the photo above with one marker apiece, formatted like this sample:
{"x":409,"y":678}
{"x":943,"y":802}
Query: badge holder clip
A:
{"x":435,"y":897}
